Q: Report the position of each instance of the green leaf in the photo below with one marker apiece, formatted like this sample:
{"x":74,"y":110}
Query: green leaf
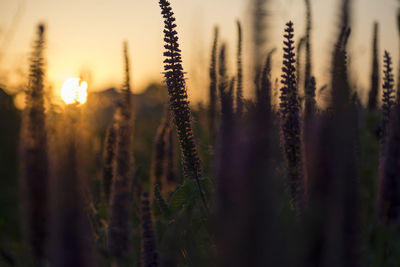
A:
{"x":183,"y":196}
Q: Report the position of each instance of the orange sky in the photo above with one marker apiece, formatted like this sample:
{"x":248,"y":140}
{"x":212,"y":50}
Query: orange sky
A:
{"x":87,"y":35}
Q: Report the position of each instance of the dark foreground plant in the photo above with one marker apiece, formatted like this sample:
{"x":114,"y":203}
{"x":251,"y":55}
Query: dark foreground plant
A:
{"x":239,"y":87}
{"x":259,"y":37}
{"x":290,"y":120}
{"x":222,"y":72}
{"x":119,"y":226}
{"x":178,"y":99}
{"x":226,"y":182}
{"x":308,"y":86}
{"x":213,"y":84}
{"x":311,"y":104}
{"x":149,"y":248}
{"x":72,"y":240}
{"x":340,"y":97}
{"x":34,"y":159}
{"x":388,"y":96}
{"x":389,"y":183}
{"x":158,"y":162}
{"x":225,"y":135}
{"x":299,"y":52}
{"x":389,"y":180}
{"x":373,"y":93}
{"x":108,"y":165}
{"x":398,"y":30}
{"x":264,"y":93}
{"x":333,"y":182}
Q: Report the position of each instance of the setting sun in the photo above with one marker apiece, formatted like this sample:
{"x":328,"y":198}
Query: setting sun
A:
{"x":74,"y":91}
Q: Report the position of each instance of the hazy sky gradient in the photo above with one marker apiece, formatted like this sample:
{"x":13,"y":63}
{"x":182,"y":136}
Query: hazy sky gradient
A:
{"x":87,"y":36}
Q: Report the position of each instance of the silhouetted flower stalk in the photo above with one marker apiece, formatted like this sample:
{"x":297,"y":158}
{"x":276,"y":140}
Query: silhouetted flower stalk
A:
{"x":223,"y":78}
{"x":341,"y":232}
{"x":227,"y":120}
{"x":108,"y":165}
{"x":264,"y":93}
{"x":118,"y":235}
{"x":246,"y":193}
{"x":226,"y":184}
{"x":126,"y":87}
{"x":340,"y":96}
{"x":213,"y":84}
{"x":389,"y":180}
{"x":374,"y":90}
{"x":332,"y":178}
{"x":158,"y":168}
{"x":71,"y":236}
{"x":225,"y":141}
{"x":290,"y":121}
{"x":239,"y":86}
{"x":389,"y":188}
{"x":149,"y":247}
{"x":309,"y":123}
{"x":34,"y":158}
{"x":319,"y":185}
{"x":388,"y":96}
{"x":356,"y":108}
{"x":398,"y":29}
{"x":299,"y":50}
{"x":309,"y":88}
{"x":345,"y":14}
{"x":91,"y":212}
{"x":232,"y":87}
{"x":311,"y":104}
{"x":178,"y":99}
{"x":259,"y":37}
{"x":340,"y":86}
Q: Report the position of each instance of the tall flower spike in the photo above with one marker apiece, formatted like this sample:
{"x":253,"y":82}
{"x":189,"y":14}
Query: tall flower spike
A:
{"x":340,"y":82}
{"x":108,"y":165}
{"x":223,"y":78}
{"x":259,"y":36}
{"x":334,"y":164}
{"x":308,"y":86}
{"x":264,"y":94}
{"x":71,"y":236}
{"x":239,"y":86}
{"x":213,"y":84}
{"x":34,"y":157}
{"x":290,"y":121}
{"x":389,"y":180}
{"x":308,"y":136}
{"x":118,"y":234}
{"x":126,"y":87}
{"x":340,"y":85}
{"x":159,"y":152}
{"x":373,"y":93}
{"x":226,"y":177}
{"x":387,"y":96}
{"x":149,"y":248}
{"x":389,"y":187}
{"x":178,"y":98}
{"x":311,"y":103}
{"x":398,"y":74}
{"x":300,"y":46}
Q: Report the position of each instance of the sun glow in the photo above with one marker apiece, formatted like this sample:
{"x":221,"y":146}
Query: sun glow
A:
{"x":74,"y":91}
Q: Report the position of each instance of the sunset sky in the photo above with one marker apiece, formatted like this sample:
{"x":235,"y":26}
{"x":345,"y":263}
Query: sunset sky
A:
{"x":85,"y":36}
